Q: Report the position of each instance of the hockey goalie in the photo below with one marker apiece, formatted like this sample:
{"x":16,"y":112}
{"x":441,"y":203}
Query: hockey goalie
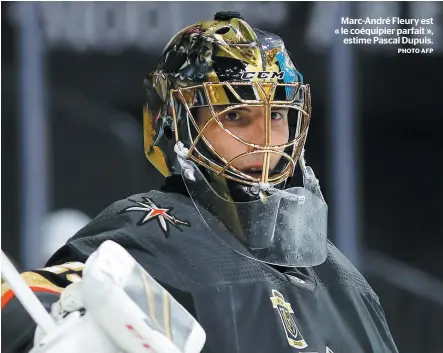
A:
{"x":231,"y":255}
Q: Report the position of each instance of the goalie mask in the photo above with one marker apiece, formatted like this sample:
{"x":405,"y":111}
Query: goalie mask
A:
{"x":220,"y":85}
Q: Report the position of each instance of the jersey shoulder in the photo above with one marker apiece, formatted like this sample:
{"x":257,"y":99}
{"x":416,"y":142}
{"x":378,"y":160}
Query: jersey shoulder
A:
{"x":337,"y":270}
{"x":141,"y":223}
{"x":165,"y":234}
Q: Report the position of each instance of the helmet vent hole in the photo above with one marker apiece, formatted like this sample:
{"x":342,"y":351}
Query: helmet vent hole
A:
{"x":167,"y":132}
{"x":222,"y":30}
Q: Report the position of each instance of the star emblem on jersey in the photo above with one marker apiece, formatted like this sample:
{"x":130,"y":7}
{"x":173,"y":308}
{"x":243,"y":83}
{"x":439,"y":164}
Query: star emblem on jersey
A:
{"x":286,"y":313}
{"x":154,"y":211}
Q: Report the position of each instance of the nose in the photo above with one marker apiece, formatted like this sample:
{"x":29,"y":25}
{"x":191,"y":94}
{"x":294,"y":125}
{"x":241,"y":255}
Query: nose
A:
{"x":257,"y":132}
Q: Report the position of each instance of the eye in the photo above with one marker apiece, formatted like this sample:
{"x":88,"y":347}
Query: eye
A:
{"x":277,"y":116}
{"x":232,"y":116}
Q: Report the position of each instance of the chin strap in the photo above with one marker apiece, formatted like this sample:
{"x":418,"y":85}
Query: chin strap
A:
{"x":310,"y":182}
{"x":266,"y":187}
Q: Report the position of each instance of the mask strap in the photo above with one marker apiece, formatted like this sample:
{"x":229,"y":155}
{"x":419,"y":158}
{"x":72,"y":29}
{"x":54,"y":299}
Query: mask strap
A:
{"x":182,"y":156}
{"x":310,"y":182}
{"x":266,"y":187}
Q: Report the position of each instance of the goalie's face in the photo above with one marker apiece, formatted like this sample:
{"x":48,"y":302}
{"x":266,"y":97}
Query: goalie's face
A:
{"x":248,"y":123}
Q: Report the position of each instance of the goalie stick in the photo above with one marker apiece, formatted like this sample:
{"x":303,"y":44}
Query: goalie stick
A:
{"x":26,"y":296}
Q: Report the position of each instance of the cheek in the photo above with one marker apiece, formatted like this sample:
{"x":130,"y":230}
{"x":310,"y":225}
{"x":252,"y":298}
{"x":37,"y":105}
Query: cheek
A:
{"x":280,"y":135}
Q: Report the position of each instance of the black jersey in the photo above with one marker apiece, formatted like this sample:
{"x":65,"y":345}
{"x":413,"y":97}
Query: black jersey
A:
{"x":245,"y":306}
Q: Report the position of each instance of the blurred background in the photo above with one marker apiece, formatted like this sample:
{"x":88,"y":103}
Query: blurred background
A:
{"x":72,"y":98}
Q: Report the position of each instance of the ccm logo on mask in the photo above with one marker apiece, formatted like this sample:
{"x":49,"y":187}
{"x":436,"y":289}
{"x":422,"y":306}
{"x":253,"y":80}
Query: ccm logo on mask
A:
{"x":249,"y":75}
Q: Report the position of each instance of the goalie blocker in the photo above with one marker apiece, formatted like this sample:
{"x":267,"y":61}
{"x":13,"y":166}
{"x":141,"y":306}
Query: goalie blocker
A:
{"x":117,"y":306}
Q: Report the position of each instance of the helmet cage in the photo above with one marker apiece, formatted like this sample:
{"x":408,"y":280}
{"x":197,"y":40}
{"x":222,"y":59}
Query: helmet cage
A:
{"x":223,"y":97}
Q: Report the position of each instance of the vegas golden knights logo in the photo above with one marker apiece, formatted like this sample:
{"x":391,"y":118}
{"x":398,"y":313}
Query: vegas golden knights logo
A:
{"x":286,"y":313}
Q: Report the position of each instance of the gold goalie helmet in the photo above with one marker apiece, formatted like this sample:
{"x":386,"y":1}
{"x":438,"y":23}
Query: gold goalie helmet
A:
{"x":228,"y":109}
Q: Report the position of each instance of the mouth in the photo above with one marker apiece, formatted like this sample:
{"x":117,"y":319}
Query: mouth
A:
{"x":255,"y":171}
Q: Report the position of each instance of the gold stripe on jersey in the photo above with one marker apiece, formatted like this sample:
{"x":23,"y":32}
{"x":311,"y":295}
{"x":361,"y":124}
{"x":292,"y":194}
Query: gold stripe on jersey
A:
{"x":36,"y":282}
{"x":70,"y":272}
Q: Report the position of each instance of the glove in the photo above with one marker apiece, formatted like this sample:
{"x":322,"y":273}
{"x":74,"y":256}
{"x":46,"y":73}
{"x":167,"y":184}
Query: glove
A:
{"x":118,"y":307}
